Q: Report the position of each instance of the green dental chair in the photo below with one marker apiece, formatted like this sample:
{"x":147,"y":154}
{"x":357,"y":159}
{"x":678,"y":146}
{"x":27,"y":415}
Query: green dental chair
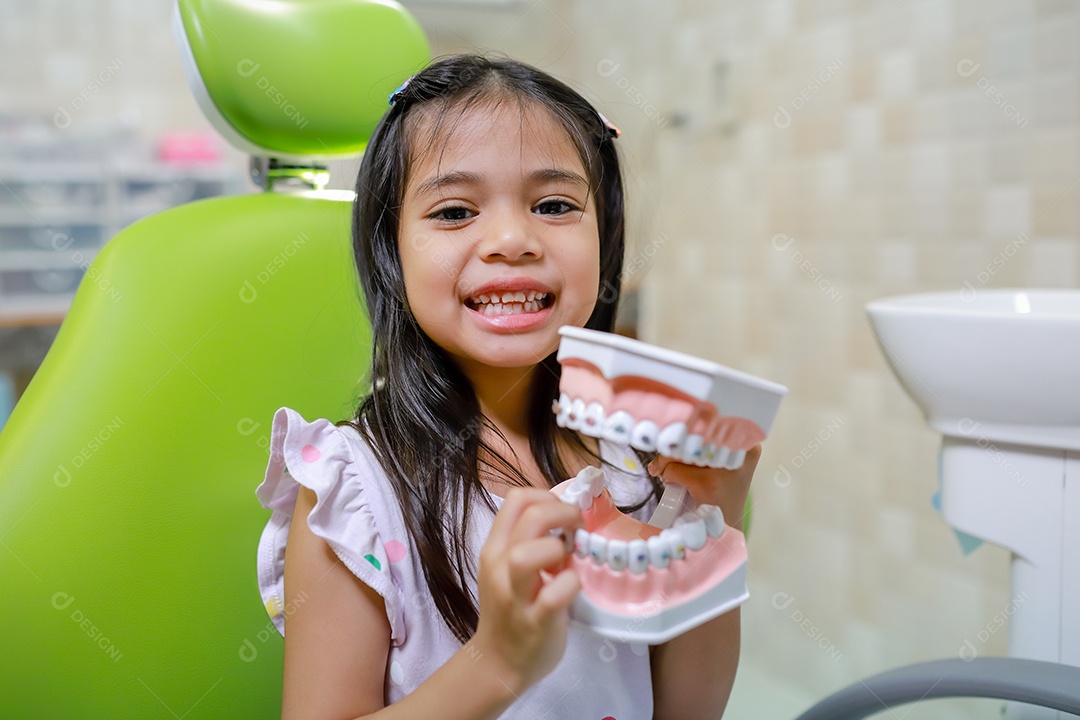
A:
{"x":128,"y":520}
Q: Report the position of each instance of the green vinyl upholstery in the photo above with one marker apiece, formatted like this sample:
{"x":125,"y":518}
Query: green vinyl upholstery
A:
{"x":128,"y":519}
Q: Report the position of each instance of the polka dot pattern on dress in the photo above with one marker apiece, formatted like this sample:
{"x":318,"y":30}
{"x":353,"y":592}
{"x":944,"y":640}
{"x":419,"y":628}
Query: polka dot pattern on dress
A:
{"x":395,"y":550}
{"x":397,"y":673}
{"x":310,"y":453}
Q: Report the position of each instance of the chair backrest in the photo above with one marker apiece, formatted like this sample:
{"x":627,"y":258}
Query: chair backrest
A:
{"x":128,"y":521}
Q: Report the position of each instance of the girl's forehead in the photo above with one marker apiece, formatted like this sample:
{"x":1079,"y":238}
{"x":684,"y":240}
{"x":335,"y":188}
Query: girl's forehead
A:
{"x":506,"y":134}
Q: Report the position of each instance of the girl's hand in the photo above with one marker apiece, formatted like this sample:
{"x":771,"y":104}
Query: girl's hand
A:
{"x":715,"y":486}
{"x":523,"y":620}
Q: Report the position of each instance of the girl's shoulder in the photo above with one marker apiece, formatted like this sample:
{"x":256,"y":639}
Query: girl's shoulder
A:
{"x":355,"y":512}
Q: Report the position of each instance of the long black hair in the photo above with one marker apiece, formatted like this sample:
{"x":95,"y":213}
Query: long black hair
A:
{"x":422,"y":417}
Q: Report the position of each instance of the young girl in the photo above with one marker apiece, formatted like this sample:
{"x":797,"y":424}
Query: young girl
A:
{"x":489,"y":213}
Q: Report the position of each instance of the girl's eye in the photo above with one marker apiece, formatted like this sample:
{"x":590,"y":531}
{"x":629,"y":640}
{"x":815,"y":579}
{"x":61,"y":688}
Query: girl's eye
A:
{"x":452,"y":214}
{"x":555,"y":207}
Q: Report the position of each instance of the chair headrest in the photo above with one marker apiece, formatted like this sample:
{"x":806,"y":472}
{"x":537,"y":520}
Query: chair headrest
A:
{"x":297,"y":79}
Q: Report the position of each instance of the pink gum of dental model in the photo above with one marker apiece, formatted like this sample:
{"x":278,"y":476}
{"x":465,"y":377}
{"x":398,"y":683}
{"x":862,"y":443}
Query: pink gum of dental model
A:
{"x":647,"y":399}
{"x":630,"y":594}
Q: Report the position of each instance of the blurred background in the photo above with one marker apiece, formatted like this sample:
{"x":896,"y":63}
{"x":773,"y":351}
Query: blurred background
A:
{"x":787,"y":161}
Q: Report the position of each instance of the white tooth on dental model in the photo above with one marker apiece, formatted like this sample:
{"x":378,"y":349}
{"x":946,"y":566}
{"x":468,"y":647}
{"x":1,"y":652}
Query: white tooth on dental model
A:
{"x":670,"y":440}
{"x":598,"y":548}
{"x":713,"y":517}
{"x":708,"y":454}
{"x":584,"y":498}
{"x":643,"y":436}
{"x":572,"y":494}
{"x":590,"y":481}
{"x":592,"y":422}
{"x":581,"y":543}
{"x":618,"y":552}
{"x":691,"y":449}
{"x":618,"y":426}
{"x":659,"y":550}
{"x":678,"y":544}
{"x":564,"y":410}
{"x":692,"y":529}
{"x":735,"y":460}
{"x":721,"y":457}
{"x":638,"y":561}
{"x":577,"y":414}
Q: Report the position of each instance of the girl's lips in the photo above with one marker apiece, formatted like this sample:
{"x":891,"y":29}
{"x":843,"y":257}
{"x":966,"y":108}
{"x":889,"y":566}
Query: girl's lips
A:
{"x":517,"y":321}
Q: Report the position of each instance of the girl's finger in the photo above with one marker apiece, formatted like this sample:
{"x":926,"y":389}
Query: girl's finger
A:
{"x":545,"y":515}
{"x":556,"y":595}
{"x":526,"y":560}
{"x":517,"y":502}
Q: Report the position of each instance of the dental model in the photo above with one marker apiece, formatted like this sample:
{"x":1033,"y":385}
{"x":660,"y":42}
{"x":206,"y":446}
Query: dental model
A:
{"x":652,"y":582}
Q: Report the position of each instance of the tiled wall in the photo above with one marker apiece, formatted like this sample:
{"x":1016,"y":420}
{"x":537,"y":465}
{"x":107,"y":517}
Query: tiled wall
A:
{"x":787,"y":162}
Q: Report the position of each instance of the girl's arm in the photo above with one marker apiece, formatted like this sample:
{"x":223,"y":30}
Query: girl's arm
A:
{"x":693,"y":674}
{"x":338,"y":638}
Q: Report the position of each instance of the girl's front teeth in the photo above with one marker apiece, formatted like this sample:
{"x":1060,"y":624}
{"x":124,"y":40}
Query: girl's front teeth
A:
{"x":510,"y":303}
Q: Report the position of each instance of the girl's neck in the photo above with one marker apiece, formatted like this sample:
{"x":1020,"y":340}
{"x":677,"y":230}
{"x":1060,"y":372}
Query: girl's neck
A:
{"x":504,"y":395}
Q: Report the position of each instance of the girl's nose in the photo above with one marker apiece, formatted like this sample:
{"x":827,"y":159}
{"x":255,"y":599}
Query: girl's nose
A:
{"x":509,"y":235}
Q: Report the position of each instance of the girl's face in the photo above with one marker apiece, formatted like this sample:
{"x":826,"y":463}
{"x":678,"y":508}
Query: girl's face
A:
{"x":498,"y":238}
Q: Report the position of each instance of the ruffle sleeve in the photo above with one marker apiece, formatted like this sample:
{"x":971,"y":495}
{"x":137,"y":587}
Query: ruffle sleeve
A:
{"x":318,"y":456}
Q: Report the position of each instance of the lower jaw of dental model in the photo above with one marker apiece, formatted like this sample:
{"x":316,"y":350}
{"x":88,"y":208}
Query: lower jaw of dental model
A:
{"x":657,"y":400}
{"x":643,"y":584}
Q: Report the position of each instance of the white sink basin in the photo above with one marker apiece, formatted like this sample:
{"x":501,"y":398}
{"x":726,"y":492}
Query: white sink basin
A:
{"x":1004,"y":365}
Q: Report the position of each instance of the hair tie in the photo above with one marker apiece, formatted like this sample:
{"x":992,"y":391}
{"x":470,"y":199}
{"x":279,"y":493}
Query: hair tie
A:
{"x":612,"y":130}
{"x":393,"y":95}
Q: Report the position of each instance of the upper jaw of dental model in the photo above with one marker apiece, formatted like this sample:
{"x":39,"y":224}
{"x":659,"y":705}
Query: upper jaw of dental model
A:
{"x":690,"y":532}
{"x":620,"y":427}
{"x":654,"y":399}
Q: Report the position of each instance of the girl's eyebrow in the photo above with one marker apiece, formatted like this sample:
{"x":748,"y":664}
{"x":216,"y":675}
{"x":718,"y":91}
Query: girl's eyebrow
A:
{"x":465,"y":177}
